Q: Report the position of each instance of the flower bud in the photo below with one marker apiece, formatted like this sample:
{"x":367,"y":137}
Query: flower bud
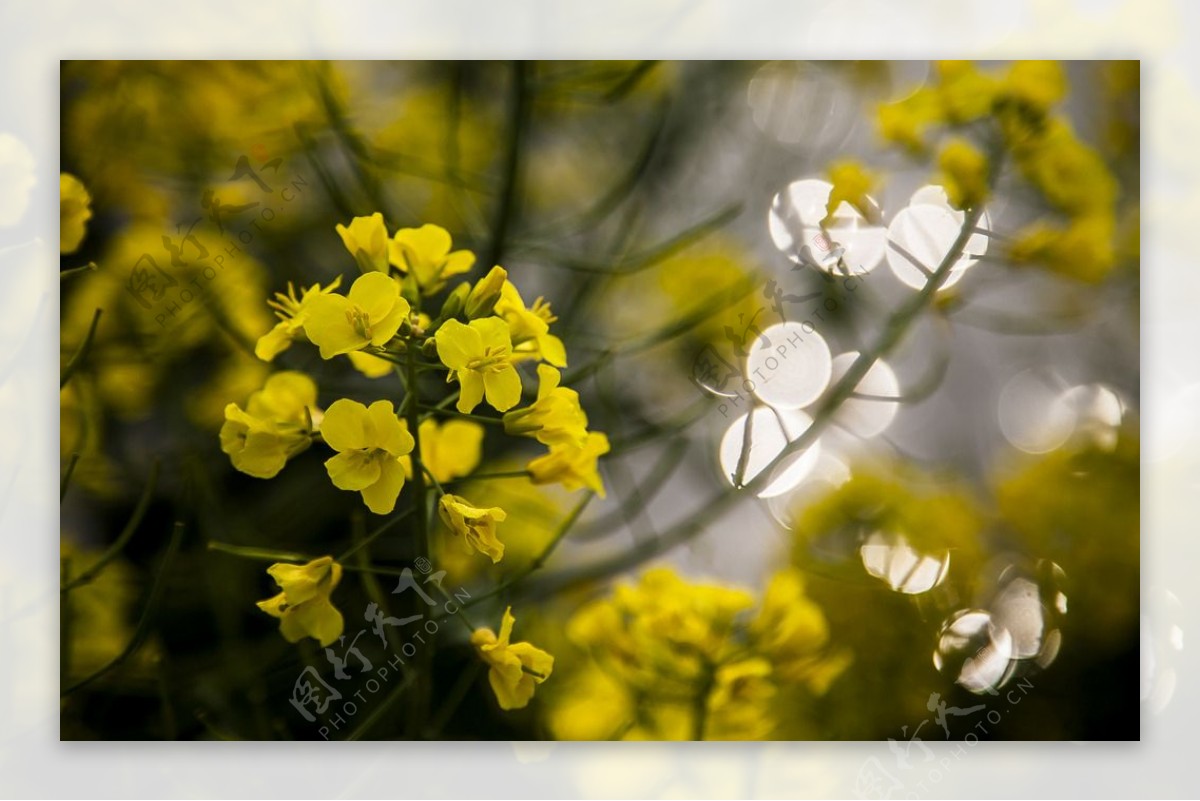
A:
{"x":485,"y":293}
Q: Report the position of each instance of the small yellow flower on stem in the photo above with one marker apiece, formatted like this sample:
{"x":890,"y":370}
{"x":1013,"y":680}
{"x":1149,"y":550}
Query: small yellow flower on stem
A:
{"x":424,"y":254}
{"x":367,"y":240}
{"x":371,"y":315}
{"x":292,"y":313}
{"x":448,"y":451}
{"x":275,"y":426}
{"x":74,"y":210}
{"x":964,"y":173}
{"x":851,"y":183}
{"x":530,"y":327}
{"x":476,"y":526}
{"x":481,"y":356}
{"x":303,"y":607}
{"x":571,"y":465}
{"x":370,"y":442}
{"x":516,"y":668}
{"x":554,"y":418}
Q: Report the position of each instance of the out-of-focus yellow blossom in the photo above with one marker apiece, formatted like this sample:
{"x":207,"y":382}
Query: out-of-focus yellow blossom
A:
{"x":516,"y":668}
{"x":370,"y":442}
{"x":906,"y":122}
{"x":236,"y":376}
{"x":303,"y":606}
{"x":964,"y":173}
{"x":74,"y":210}
{"x":370,"y":366}
{"x":450,"y":450}
{"x":480,"y":355}
{"x":1038,"y":84}
{"x":530,"y":327}
{"x":424,"y":253}
{"x":851,"y":183}
{"x":292,"y":313}
{"x":477,"y":527}
{"x":591,"y":705}
{"x":367,"y":240}
{"x":97,"y":615}
{"x":1072,"y":176}
{"x":571,"y":465}
{"x":739,"y":704}
{"x":678,"y":659}
{"x":554,"y":418}
{"x":1083,"y":250}
{"x":275,"y":426}
{"x":966,"y":92}
{"x":371,"y":314}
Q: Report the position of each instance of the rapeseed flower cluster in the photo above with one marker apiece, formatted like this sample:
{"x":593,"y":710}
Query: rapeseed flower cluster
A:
{"x":673,"y":659}
{"x":388,"y":321}
{"x":1068,"y":174}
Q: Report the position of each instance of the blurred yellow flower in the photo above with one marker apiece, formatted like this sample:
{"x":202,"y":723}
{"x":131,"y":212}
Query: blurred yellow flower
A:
{"x":1071,"y":175}
{"x":739,"y":704}
{"x":966,"y":92}
{"x":448,"y":451}
{"x":477,"y":527}
{"x":370,"y":366}
{"x":370,"y":442}
{"x":851,"y":183}
{"x":74,"y":210}
{"x":371,"y":314}
{"x":480,"y":355}
{"x":292,"y":313}
{"x":424,"y":253}
{"x":275,"y":426}
{"x":515,"y":668}
{"x":571,"y":465}
{"x":1038,"y":84}
{"x":964,"y":173}
{"x":906,"y":122}
{"x":303,"y":606}
{"x":367,"y":240}
{"x":554,"y":418}
{"x":530,"y":327}
{"x":1083,"y":250}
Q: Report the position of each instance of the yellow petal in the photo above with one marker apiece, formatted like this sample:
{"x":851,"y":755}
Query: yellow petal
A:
{"x":391,"y":433}
{"x":457,"y":344}
{"x":503,"y":388}
{"x":470,"y":391}
{"x":381,"y":496}
{"x":344,"y":426}
{"x":353,"y":470}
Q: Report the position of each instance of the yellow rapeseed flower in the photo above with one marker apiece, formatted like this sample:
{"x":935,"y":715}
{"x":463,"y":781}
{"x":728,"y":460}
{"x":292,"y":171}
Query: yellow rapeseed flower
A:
{"x":1038,"y":84}
{"x":74,"y":210}
{"x":851,"y":183}
{"x":448,"y":451}
{"x":515,"y":668}
{"x":424,"y":254}
{"x":275,"y":426}
{"x":476,"y":526}
{"x":367,"y":240}
{"x":481,"y":357}
{"x":482,"y":298}
{"x":964,"y":173}
{"x":303,"y":607}
{"x":370,"y":442}
{"x":554,"y":418}
{"x":371,"y":314}
{"x":571,"y":465}
{"x":530,"y":327}
{"x":292,"y":313}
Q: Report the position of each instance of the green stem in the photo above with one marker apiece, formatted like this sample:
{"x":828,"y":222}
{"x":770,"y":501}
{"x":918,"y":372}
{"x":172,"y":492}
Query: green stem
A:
{"x":123,"y":538}
{"x":81,"y":354}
